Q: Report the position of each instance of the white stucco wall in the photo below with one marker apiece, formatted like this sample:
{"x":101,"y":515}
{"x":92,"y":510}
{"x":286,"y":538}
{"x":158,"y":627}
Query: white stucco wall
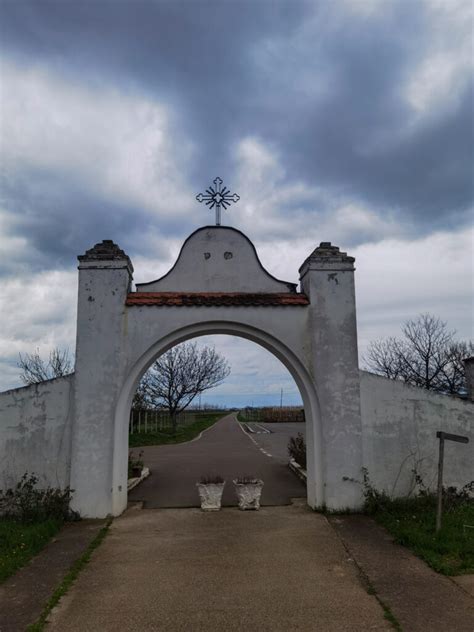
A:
{"x":35,"y":432}
{"x":399,"y":425}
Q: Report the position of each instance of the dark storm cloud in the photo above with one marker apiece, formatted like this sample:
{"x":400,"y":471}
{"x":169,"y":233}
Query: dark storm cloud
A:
{"x":322,"y":86}
{"x":55,"y":217}
{"x":195,"y":56}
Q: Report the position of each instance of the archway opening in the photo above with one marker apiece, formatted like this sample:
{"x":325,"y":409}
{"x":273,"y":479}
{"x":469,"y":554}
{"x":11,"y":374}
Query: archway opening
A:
{"x":239,"y":428}
{"x":283,"y":389}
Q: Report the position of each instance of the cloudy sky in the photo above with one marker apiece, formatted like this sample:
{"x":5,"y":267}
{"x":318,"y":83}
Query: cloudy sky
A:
{"x":348,"y":121}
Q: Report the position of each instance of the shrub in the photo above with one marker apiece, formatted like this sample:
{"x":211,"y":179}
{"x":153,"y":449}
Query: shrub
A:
{"x":297,"y":449}
{"x":26,"y":503}
{"x":134,"y":463}
{"x":246,"y":480}
{"x":211,"y":479}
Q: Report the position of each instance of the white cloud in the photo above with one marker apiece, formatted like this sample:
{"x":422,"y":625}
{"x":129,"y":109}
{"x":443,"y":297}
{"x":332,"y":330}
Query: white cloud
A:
{"x":38,"y":311}
{"x":397,"y":280}
{"x":272,"y":207}
{"x":125,"y":147}
{"x":441,"y":74}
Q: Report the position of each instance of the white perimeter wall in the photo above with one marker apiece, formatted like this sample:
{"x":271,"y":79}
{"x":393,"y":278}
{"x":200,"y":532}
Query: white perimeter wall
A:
{"x":399,"y":425}
{"x":35,"y":432}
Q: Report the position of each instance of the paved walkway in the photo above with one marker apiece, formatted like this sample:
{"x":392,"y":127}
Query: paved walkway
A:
{"x":279,"y":569}
{"x":24,"y":595}
{"x":421,"y":599}
{"x":222,"y":449}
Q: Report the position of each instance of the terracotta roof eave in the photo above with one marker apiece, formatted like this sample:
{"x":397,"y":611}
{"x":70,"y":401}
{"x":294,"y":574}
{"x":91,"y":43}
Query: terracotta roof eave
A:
{"x":215,"y":299}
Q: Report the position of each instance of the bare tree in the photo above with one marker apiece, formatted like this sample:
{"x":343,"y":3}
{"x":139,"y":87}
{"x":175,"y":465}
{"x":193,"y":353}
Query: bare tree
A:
{"x":35,"y":369}
{"x":179,"y":375}
{"x":141,"y":397}
{"x":453,"y":375}
{"x":426,"y":355}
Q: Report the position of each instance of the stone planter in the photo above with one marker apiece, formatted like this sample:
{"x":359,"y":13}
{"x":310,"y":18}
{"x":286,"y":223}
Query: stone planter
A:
{"x":210,"y":495}
{"x":249,"y":494}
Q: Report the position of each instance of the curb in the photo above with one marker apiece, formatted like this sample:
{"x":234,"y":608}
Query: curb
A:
{"x":298,"y":470}
{"x":133,"y":482}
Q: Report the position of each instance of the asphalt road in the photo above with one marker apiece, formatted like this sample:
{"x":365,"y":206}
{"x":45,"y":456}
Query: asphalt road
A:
{"x":276,"y":441}
{"x":223,"y":449}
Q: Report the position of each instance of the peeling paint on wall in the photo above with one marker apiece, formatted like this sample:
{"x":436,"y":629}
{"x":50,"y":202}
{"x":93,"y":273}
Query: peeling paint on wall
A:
{"x":399,"y":425}
{"x":35,"y":432}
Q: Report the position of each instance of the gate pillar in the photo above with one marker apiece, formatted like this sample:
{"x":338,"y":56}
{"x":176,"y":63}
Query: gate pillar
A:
{"x":327,"y":278}
{"x":105,"y":274}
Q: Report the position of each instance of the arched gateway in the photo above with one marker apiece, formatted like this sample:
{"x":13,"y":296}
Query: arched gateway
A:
{"x":217,"y":285}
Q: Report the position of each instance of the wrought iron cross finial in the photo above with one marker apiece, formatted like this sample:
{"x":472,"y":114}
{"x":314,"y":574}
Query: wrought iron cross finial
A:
{"x":216,"y":196}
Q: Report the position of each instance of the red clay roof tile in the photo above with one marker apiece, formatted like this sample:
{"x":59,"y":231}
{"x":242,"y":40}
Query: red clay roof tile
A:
{"x":215,"y":299}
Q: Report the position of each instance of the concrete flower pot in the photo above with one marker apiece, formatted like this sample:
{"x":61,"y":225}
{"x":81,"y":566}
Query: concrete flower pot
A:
{"x":137,"y":471}
{"x":210,"y":495}
{"x":249,"y":494}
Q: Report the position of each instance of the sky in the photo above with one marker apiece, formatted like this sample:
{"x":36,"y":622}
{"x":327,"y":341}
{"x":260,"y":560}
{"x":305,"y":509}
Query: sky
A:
{"x":348,"y":121}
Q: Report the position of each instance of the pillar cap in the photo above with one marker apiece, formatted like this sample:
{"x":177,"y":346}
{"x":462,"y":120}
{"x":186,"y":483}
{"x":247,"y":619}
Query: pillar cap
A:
{"x":106,"y":251}
{"x":327,"y":256}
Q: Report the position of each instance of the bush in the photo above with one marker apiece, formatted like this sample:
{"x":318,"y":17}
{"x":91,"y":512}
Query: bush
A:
{"x":297,"y":449}
{"x":412,"y":519}
{"x":134,"y":463}
{"x":246,"y":480}
{"x":211,"y":479}
{"x":26,"y":503}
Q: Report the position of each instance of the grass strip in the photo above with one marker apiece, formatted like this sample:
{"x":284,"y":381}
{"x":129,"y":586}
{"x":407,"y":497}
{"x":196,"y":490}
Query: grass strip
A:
{"x":183,"y":433}
{"x":19,"y":542}
{"x":369,"y":587}
{"x":69,"y":579}
{"x":412,"y":523}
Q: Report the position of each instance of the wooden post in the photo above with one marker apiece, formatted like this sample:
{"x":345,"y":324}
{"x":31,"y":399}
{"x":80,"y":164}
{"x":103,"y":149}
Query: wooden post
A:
{"x":442,"y":436}
{"x":439,"y":506}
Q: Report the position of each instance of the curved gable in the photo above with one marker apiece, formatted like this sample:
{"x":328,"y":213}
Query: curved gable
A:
{"x":217,"y":259}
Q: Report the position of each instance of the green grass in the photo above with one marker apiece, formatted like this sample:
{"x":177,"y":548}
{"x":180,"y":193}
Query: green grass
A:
{"x":20,"y":542}
{"x":69,"y":579}
{"x":183,"y":433}
{"x":412,"y":522}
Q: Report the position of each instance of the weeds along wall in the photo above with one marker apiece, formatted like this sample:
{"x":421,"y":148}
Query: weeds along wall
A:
{"x":35,"y":432}
{"x":399,"y":425}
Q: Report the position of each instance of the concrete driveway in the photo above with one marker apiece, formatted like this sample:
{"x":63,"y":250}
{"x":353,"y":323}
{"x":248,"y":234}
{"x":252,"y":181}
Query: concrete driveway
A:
{"x":279,"y":569}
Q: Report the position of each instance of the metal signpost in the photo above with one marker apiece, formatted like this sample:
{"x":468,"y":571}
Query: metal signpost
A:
{"x":444,"y":436}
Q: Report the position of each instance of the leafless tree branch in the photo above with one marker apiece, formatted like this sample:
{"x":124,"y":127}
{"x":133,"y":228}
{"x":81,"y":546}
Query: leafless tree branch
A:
{"x":179,"y":375}
{"x":426,"y":355}
{"x":35,"y":369}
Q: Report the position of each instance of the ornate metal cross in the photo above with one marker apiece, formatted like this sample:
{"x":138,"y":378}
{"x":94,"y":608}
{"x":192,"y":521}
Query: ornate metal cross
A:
{"x":216,"y":196}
